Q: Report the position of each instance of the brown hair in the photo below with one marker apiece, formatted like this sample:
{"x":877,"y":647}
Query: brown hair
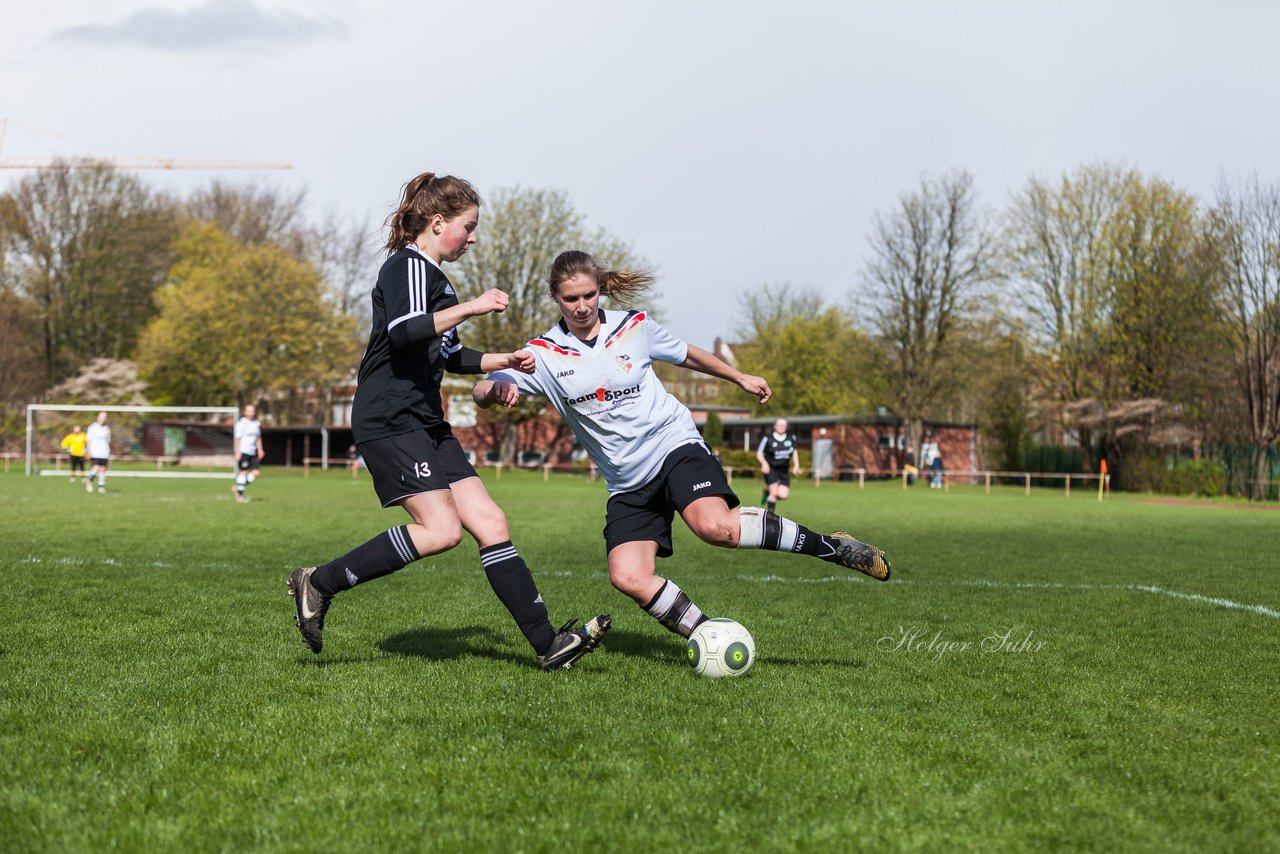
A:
{"x":423,"y":197}
{"x":620,"y":285}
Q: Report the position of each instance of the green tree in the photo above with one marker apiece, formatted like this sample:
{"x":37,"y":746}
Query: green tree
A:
{"x":522,"y":231}
{"x":248,"y":323}
{"x":1161,"y":325}
{"x":1058,"y":259}
{"x":713,"y":431}
{"x":816,"y":360}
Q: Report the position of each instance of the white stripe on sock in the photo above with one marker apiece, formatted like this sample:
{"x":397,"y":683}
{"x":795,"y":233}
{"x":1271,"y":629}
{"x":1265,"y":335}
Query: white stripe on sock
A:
{"x":790,"y":530}
{"x":398,"y":541}
{"x":498,"y":556}
{"x":691,"y":617}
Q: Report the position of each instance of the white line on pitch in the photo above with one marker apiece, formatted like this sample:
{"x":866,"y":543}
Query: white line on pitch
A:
{"x":1032,"y":585}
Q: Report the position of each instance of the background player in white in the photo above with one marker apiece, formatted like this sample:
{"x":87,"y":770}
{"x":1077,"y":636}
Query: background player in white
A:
{"x":779,"y":456}
{"x":595,"y":368}
{"x":248,"y":441}
{"x":413,"y":457}
{"x":99,"y":435}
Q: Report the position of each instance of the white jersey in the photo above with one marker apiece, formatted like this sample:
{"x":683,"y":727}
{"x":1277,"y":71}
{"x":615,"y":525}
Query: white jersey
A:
{"x":928,"y":452}
{"x":247,"y":433}
{"x":609,"y":395}
{"x":99,"y":436}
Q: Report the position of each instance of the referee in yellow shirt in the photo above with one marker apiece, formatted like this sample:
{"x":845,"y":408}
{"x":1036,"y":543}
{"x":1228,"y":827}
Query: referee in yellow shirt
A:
{"x":73,"y":443}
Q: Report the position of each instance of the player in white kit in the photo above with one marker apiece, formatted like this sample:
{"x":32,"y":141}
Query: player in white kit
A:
{"x":595,"y":367}
{"x":99,"y":437}
{"x":248,"y":441}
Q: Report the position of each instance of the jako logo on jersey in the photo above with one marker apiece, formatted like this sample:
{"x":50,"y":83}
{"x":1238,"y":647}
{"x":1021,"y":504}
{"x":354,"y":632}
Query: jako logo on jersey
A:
{"x":702,"y":485}
{"x":623,"y":363}
{"x":605,"y":395}
{"x":567,"y":373}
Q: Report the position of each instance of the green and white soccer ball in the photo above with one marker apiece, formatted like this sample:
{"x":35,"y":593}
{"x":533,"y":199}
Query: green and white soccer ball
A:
{"x":720,"y":648}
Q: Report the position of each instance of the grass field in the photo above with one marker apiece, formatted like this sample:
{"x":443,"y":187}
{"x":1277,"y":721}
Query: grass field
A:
{"x":1041,"y":673}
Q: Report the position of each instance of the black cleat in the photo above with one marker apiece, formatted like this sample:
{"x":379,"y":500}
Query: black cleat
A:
{"x":311,"y":606}
{"x":571,"y":644}
{"x":866,"y":559}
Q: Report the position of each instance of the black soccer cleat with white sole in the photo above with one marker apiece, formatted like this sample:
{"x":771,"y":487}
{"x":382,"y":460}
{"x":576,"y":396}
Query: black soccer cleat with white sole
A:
{"x":859,"y":556}
{"x":571,"y":643}
{"x":311,"y":606}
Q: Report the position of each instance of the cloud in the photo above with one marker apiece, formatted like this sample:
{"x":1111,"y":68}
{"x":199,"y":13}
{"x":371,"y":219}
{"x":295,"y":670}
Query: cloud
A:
{"x":218,"y":23}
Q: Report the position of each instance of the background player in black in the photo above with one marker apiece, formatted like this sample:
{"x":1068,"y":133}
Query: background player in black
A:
{"x":409,"y":448}
{"x":779,"y":456}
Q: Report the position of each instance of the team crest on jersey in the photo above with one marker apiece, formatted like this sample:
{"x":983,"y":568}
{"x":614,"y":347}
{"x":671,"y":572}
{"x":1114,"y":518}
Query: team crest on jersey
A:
{"x":623,"y":363}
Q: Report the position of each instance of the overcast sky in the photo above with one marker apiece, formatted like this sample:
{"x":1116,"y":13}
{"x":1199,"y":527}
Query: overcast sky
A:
{"x":733,"y":144}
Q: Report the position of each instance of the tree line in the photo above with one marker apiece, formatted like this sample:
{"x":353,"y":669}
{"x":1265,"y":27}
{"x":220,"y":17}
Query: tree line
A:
{"x":1104,"y":308}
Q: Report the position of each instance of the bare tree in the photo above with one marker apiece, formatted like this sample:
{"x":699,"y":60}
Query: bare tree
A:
{"x":931,"y":256}
{"x":347,"y":256}
{"x":87,"y":247}
{"x":1246,"y":230}
{"x":252,"y":213}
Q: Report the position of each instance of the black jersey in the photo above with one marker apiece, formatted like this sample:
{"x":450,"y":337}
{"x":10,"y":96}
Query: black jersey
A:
{"x":398,"y":390}
{"x":778,"y":451}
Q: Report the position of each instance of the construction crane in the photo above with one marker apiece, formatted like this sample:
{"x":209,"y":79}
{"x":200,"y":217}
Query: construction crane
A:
{"x":85,"y":162}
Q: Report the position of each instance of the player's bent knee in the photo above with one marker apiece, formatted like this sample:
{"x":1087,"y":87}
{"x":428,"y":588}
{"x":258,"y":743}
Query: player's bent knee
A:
{"x":717,"y":529}
{"x":495,"y":525}
{"x":629,"y":579}
{"x":722,"y":533}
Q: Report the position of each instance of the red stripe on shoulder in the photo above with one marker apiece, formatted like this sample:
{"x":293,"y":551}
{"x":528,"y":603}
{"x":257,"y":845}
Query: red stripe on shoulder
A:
{"x":635,"y":321}
{"x":547,"y":344}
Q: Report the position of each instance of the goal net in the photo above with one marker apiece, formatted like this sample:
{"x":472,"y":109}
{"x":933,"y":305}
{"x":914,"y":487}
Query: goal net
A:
{"x":146,"y":441}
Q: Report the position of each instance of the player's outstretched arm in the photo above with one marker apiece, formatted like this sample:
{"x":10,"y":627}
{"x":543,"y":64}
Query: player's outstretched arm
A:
{"x":703,"y":362}
{"x":489,"y":393}
{"x":520,"y":360}
{"x":490,"y":301}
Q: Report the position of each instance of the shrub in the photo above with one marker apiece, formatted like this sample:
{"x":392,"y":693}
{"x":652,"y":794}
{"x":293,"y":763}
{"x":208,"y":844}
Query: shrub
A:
{"x":1181,"y":477}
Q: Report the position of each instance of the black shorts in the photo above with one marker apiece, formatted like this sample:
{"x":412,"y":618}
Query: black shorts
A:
{"x":77,"y":463}
{"x":688,"y":473}
{"x":247,"y":462}
{"x":99,"y":461}
{"x":774,"y":476}
{"x":422,"y":461}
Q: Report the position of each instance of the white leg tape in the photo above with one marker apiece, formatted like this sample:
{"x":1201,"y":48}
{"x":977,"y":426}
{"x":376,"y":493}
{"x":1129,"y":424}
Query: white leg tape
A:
{"x":750,"y":527}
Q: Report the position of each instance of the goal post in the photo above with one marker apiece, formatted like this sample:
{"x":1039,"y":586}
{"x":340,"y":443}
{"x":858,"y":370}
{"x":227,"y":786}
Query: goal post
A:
{"x":146,"y":441}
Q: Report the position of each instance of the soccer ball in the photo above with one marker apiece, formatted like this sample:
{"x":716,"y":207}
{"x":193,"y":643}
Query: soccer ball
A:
{"x":720,"y":648}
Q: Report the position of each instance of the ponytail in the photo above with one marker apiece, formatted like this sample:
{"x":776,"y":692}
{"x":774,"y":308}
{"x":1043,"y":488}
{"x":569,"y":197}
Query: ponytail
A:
{"x":622,"y":286}
{"x":423,"y":197}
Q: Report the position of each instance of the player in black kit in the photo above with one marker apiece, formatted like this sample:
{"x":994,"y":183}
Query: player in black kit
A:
{"x":408,"y":447}
{"x":779,"y":456}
